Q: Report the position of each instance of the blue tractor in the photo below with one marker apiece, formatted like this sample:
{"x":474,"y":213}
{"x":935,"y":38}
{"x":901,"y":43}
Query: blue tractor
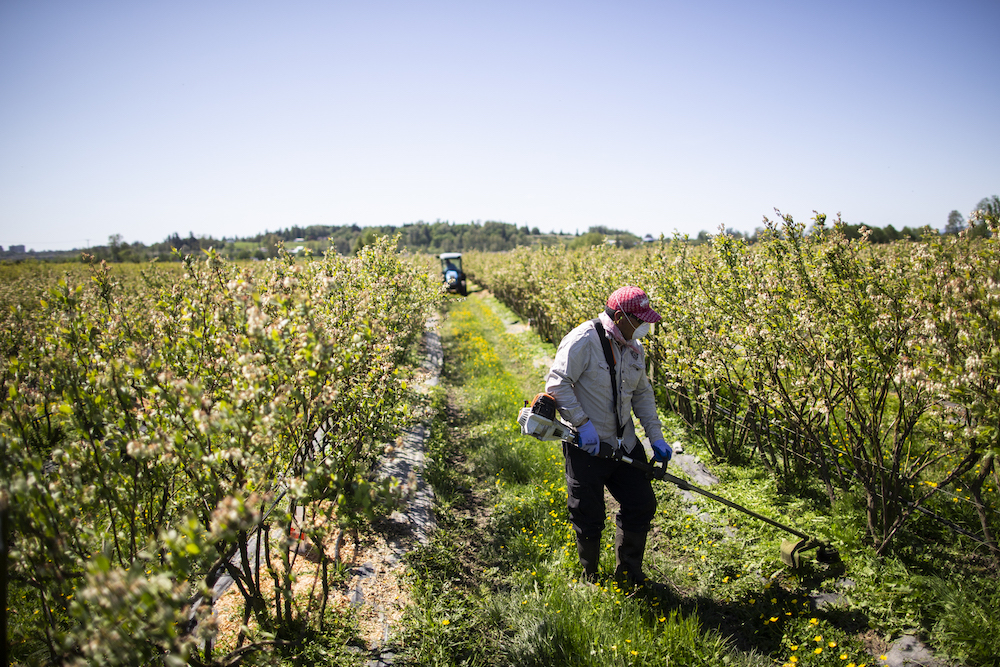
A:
{"x":452,"y":275}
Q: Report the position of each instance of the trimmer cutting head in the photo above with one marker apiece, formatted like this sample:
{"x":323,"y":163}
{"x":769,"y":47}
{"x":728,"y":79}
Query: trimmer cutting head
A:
{"x":791,"y":550}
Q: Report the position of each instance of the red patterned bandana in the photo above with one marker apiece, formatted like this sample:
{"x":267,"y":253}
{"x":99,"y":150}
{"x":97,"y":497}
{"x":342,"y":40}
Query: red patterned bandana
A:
{"x":612,"y":328}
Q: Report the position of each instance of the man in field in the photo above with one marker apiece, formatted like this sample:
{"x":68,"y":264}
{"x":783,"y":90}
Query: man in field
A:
{"x":598,"y":399}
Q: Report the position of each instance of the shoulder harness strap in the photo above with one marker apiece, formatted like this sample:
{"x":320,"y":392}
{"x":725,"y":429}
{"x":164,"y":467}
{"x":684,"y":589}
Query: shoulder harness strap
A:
{"x":609,"y":356}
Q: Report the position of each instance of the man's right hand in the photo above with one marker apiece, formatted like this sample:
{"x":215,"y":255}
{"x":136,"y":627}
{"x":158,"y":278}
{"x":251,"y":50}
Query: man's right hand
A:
{"x":590,"y":442}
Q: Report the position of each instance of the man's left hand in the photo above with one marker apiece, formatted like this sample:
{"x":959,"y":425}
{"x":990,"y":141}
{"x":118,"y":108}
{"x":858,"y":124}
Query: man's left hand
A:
{"x":662,"y":451}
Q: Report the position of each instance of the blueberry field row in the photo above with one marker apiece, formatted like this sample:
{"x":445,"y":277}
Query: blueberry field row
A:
{"x":152,"y":420}
{"x":872,"y":370}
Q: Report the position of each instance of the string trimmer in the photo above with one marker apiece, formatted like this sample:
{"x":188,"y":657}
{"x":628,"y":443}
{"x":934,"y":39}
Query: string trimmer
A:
{"x":539,"y":420}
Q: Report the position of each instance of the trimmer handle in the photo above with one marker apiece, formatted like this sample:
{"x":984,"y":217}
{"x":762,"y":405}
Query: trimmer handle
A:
{"x":657,"y":469}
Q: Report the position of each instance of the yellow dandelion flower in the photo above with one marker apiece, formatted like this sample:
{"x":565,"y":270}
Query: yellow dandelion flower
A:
{"x":445,"y":622}
{"x":818,"y":650}
{"x":832,"y":644}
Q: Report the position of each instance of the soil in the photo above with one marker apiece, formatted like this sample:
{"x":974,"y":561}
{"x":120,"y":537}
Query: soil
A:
{"x":373,"y":587}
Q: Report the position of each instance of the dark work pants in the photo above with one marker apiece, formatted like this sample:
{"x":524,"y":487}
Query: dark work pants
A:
{"x":586,"y":477}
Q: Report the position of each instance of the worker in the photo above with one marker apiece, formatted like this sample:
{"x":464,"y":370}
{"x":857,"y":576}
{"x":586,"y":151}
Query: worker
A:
{"x":580,"y":381}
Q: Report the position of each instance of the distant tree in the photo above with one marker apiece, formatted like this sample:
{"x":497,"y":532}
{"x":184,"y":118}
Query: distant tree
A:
{"x":115,"y":246}
{"x":270,"y":246}
{"x":987,"y":208}
{"x":418,"y":236}
{"x":878,"y":235}
{"x":621,"y":237}
{"x":366,"y":239}
{"x":535,"y":232}
{"x":852,"y":231}
{"x":587,"y":240}
{"x":956,"y":223}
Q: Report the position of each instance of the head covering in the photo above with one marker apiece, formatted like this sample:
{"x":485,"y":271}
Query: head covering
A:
{"x":633,"y":300}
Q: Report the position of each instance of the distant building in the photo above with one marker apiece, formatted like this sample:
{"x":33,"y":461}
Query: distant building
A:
{"x":16,"y":249}
{"x":648,"y":238}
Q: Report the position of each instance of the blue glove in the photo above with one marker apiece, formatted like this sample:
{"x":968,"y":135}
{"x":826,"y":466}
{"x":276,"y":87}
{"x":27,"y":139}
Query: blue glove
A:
{"x":662,"y":451}
{"x":590,"y":442}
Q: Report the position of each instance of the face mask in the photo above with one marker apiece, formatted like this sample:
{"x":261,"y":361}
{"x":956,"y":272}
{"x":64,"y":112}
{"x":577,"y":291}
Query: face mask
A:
{"x":641,"y":331}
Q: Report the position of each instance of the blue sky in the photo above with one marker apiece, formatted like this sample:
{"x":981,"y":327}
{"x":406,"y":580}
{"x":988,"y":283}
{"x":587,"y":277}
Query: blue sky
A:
{"x":231,"y":118}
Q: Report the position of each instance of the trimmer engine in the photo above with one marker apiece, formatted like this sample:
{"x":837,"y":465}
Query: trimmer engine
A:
{"x":538,"y":419}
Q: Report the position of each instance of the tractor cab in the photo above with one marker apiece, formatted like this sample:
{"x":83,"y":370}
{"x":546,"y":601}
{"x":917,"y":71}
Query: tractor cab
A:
{"x":452,"y":275}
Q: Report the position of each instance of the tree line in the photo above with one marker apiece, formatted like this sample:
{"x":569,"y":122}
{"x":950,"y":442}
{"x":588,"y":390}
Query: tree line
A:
{"x":419,"y":237}
{"x":956,"y":223}
{"x":443,"y":236}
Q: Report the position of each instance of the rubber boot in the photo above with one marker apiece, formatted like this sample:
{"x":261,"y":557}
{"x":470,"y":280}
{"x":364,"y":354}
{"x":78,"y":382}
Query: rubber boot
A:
{"x":629,"y":548}
{"x":589,"y":550}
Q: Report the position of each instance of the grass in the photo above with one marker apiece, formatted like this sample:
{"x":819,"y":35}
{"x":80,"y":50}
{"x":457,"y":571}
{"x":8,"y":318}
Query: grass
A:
{"x":498,"y":586}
